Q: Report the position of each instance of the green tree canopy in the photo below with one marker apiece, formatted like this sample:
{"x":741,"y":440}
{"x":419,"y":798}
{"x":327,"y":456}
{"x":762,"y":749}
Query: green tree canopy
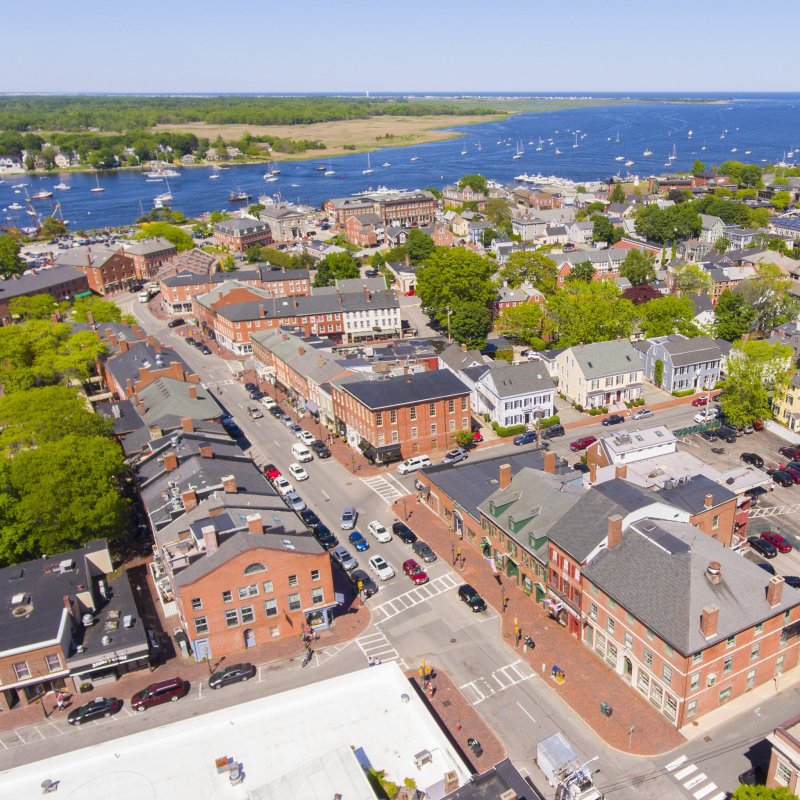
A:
{"x":524,"y":322}
{"x":336,"y":266}
{"x":583,"y":271}
{"x":498,"y":213}
{"x":698,"y":167}
{"x":470,"y":324}
{"x":668,"y":224}
{"x":667,"y":315}
{"x":744,"y":792}
{"x":721,"y":245}
{"x":179,"y":237}
{"x":692,"y":279}
{"x":592,"y":312}
{"x":37,"y":306}
{"x":617,"y":194}
{"x":475,"y":182}
{"x":52,"y":226}
{"x":101,"y":310}
{"x":10,"y":262}
{"x":733,"y":316}
{"x":769,"y":295}
{"x":530,"y":267}
{"x":780,"y":200}
{"x":604,"y":231}
{"x":638,"y":267}
{"x":418,"y":246}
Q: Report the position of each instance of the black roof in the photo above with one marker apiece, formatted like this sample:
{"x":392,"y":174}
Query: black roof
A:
{"x":403,"y":390}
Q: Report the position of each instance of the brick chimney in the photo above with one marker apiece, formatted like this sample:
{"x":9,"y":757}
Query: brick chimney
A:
{"x":709,"y":618}
{"x":111,"y":336}
{"x":550,"y":463}
{"x":151,"y":341}
{"x":614,"y":530}
{"x":775,"y":590}
{"x":155,"y":432}
{"x":593,"y":473}
{"x":193,"y":392}
{"x":714,"y":572}
{"x":187,"y":424}
{"x":128,"y":387}
{"x":229,"y":484}
{"x":621,"y":472}
{"x":504,"y":478}
{"x":210,"y":539}
{"x":157,"y":346}
{"x":189,"y":499}
{"x":451,"y":781}
{"x":709,"y":501}
{"x":170,"y":461}
{"x":261,"y":310}
{"x":301,"y":351}
{"x":206,"y":450}
{"x":215,"y":511}
{"x":123,"y":345}
{"x":254,"y":523}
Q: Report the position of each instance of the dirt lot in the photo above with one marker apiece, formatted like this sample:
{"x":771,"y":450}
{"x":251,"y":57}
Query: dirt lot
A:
{"x":363,"y":134}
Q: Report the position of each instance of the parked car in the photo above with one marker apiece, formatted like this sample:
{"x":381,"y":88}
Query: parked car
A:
{"x":254,"y":412}
{"x":307,"y":438}
{"x":320,"y":450}
{"x":423,"y":551}
{"x":282,"y":486}
{"x":781,"y":478}
{"x":762,"y":546}
{"x":777,"y":541}
{"x":170,"y":690}
{"x":529,"y":437}
{"x":358,"y":541}
{"x":642,"y":413}
{"x":323,"y":535}
{"x":753,"y":459}
{"x":94,"y":709}
{"x":204,"y":349}
{"x":706,"y":415}
{"x":793,"y":472}
{"x":613,"y":419}
{"x":792,"y":580}
{"x":341,"y":555}
{"x":379,"y":531}
{"x":250,"y":387}
{"x":582,"y":443}
{"x":348,"y":519}
{"x":363,"y":583}
{"x":381,"y":567}
{"x":766,"y":566}
{"x":414,"y":463}
{"x":276,"y":411}
{"x":702,"y":400}
{"x":415,"y":572}
{"x":268,"y":402}
{"x":467,"y":594}
{"x":790,"y":452}
{"x":190,"y":340}
{"x":296,"y":430}
{"x":294,"y":501}
{"x":727,"y":434}
{"x":454,"y":456}
{"x":709,"y":436}
{"x":301,"y":453}
{"x":553,"y":431}
{"x":309,"y":517}
{"x":231,"y":428}
{"x":298,"y":472}
{"x":176,"y":323}
{"x":271,"y":472}
{"x":403,"y":532}
{"x":235,"y":673}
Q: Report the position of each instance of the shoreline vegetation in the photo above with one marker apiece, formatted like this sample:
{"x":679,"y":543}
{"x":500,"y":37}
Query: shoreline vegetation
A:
{"x":127,"y":132}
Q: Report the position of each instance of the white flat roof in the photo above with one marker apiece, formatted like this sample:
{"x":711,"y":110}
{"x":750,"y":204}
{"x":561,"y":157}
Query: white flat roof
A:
{"x":292,"y":746}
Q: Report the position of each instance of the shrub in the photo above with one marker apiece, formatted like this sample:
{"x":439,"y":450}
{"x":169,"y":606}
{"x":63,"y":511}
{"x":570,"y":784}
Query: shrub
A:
{"x":504,"y":355}
{"x":548,"y":422}
{"x":512,"y":430}
{"x":595,"y":412}
{"x":578,"y":407}
{"x":683,"y":393}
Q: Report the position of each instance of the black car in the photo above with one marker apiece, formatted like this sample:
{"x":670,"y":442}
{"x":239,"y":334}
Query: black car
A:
{"x":250,"y":387}
{"x":781,"y":477}
{"x":553,"y":431}
{"x":709,"y":436}
{"x":94,"y":709}
{"x":232,"y":429}
{"x":190,"y":340}
{"x":204,"y":349}
{"x":762,"y":546}
{"x":324,"y":536}
{"x":319,"y":448}
{"x":613,"y":419}
{"x":792,"y":580}
{"x":232,"y":674}
{"x":403,"y":532}
{"x":309,"y":517}
{"x":727,"y":434}
{"x":256,"y":394}
{"x":362,"y":582}
{"x":579,"y":466}
{"x":766,"y":567}
{"x":370,"y":273}
{"x":276,"y":411}
{"x":176,"y":323}
{"x":753,"y":459}
{"x":467,"y":594}
{"x":424,"y":551}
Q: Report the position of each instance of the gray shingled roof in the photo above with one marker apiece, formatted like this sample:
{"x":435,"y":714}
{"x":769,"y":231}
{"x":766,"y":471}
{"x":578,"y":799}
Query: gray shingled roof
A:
{"x":147,"y":247}
{"x":606,"y":358}
{"x":39,"y":282}
{"x":126,"y":365}
{"x":525,"y":378}
{"x":402,"y":390}
{"x":167,"y":396}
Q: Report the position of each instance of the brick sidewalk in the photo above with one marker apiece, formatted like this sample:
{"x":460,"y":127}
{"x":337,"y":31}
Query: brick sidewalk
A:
{"x":589,"y":681}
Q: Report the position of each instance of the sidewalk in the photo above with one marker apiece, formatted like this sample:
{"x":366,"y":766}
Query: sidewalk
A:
{"x":589,"y":681}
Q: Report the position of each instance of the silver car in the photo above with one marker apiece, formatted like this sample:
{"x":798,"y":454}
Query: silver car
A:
{"x":348,"y":520}
{"x":343,"y":558}
{"x":643,"y":413}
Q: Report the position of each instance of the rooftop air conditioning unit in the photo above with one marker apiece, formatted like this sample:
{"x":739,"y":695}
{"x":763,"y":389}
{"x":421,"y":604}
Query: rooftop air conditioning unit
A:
{"x":423,"y":757}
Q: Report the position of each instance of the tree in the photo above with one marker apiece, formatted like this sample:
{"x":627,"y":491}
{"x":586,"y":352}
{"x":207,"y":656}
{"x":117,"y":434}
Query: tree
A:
{"x":722,"y":244}
{"x":418,"y":246}
{"x":377,"y":260}
{"x":780,"y":200}
{"x":587,"y":211}
{"x":692,"y":279}
{"x":666,"y":225}
{"x":452,"y":277}
{"x":592,"y":312}
{"x":745,"y":792}
{"x":733,"y":316}
{"x":253,"y":254}
{"x":470,"y":323}
{"x":617,"y":194}
{"x":336,"y":266}
{"x":658,"y":372}
{"x":583,"y":271}
{"x":475,"y":182}
{"x":498,"y":213}
{"x":667,"y":315}
{"x":38,"y":306}
{"x":52,"y":226}
{"x":465,"y":438}
{"x":101,"y":310}
{"x":10,"y":262}
{"x":531,"y":267}
{"x":773,"y":360}
{"x":769,"y":295}
{"x":227,"y":264}
{"x":524,"y":322}
{"x":698,"y":168}
{"x":179,"y":237}
{"x":758,"y":217}
{"x":638,"y":267}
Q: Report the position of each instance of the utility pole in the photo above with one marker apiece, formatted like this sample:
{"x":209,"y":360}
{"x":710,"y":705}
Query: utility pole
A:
{"x":449,"y":314}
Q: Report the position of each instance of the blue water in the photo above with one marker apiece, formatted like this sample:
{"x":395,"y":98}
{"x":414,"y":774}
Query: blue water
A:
{"x":767,"y":125}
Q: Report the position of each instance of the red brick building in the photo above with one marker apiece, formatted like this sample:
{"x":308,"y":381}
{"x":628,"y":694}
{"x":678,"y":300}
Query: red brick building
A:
{"x":107,"y":270}
{"x":396,"y":209}
{"x":239,"y":234}
{"x":60,"y":282}
{"x":150,"y":256}
{"x":784,"y":762}
{"x":364,"y":230}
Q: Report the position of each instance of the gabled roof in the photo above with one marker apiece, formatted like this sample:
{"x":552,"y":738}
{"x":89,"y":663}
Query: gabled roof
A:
{"x":38,"y":282}
{"x":691,"y":495}
{"x":126,"y":365}
{"x":511,"y":380}
{"x":605,"y":358}
{"x":170,"y":397}
{"x":147,"y":247}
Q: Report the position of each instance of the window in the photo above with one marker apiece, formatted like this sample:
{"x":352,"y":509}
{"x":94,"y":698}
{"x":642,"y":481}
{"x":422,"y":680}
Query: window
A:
{"x":200,"y":625}
{"x":432,"y":409}
{"x":247,"y":591}
{"x":611,"y":654}
{"x":414,"y":433}
{"x":53,"y":662}
{"x":452,"y":424}
{"x":248,"y":615}
{"x":314,"y":574}
{"x":463,"y":403}
{"x":755,"y":651}
{"x":694,"y":682}
{"x":252,"y":568}
{"x":271,"y":608}
{"x":691,"y":709}
{"x":629,"y":617}
{"x":670,"y":707}
{"x":727,"y":664}
{"x":650,"y":634}
{"x":612,"y":603}
{"x":643,"y":682}
{"x":592,"y":610}
{"x":464,"y":423}
{"x":197,"y":603}
{"x":395,"y":436}
{"x":610,"y":625}
{"x":628,"y":640}
{"x":648,"y":658}
{"x":433,"y":429}
{"x":232,"y":618}
{"x":413,"y":412}
{"x":783,"y":773}
{"x":715,"y":522}
{"x":779,"y":664}
{"x":379,"y":418}
{"x":600,"y":643}
{"x":730,"y":641}
{"x":274,"y":631}
{"x":317,"y":596}
{"x":393,"y":417}
{"x":656,"y":695}
{"x":725,"y":694}
{"x":697,"y":657}
{"x":294,"y":602}
{"x":293,"y":580}
{"x":759,"y":628}
{"x":751,"y":680}
{"x":669,"y":650}
{"x":666,"y":674}
{"x":451,"y":406}
{"x":267,"y":586}
{"x":227,"y":596}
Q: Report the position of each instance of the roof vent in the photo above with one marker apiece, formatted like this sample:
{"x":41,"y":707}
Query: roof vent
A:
{"x":21,"y":605}
{"x":714,"y":572}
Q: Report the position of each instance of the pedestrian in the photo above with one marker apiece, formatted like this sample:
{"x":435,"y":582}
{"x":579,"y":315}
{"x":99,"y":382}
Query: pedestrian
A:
{"x":60,"y":701}
{"x":518,"y":636}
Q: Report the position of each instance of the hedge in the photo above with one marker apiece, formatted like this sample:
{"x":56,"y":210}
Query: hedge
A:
{"x":512,"y":430}
{"x":548,"y":422}
{"x":594,"y":412}
{"x":683,"y":393}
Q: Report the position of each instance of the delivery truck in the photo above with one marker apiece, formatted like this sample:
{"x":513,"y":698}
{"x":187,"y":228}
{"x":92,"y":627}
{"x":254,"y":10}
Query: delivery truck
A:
{"x":564,"y":769}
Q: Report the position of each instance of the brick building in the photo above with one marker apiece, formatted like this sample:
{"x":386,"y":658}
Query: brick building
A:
{"x":61,"y":283}
{"x":107,"y":269}
{"x":784,"y":762}
{"x":364,"y":230}
{"x":397,"y":209}
{"x":151,"y":256}
{"x":241,"y":233}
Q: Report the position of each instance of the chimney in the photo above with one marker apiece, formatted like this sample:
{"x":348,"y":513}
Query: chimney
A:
{"x":170,"y":461}
{"x":189,"y":499}
{"x":450,"y":781}
{"x":714,"y":572}
{"x":90,"y":318}
{"x":210,"y":539}
{"x":505,"y":476}
{"x":774,"y":590}
{"x":112,"y":337}
{"x":709,"y":501}
{"x":261,"y":310}
{"x":157,"y":347}
{"x":151,"y":341}
{"x":408,"y":260}
{"x":296,"y":304}
{"x":254,"y":523}
{"x":301,"y":351}
{"x":129,"y":387}
{"x":206,"y":450}
{"x":709,"y":617}
{"x":193,"y":392}
{"x":155,"y":432}
{"x":621,"y":472}
{"x":229,"y":484}
{"x":593,"y":473}
{"x":123,"y":345}
{"x":550,"y":463}
{"x":187,"y":424}
{"x":614,"y":530}
{"x":215,"y":511}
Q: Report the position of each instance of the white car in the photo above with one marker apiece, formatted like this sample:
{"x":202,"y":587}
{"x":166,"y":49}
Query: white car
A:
{"x":379,"y":531}
{"x":382,"y":568}
{"x":307,"y":438}
{"x":413,"y":464}
{"x":282,"y":486}
{"x":297,"y":472}
{"x":268,"y":402}
{"x":706,"y":415}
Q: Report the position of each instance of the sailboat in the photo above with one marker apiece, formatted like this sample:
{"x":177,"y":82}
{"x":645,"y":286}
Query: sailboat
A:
{"x":520,"y":152}
{"x":63,"y":186}
{"x":617,"y":139}
{"x":160,"y":200}
{"x":704,"y":146}
{"x":691,"y":133}
{"x":214,"y":174}
{"x":619,"y":158}
{"x":629,"y":163}
{"x":674,"y":153}
{"x":557,"y":152}
{"x":576,"y":141}
{"x":463,"y":151}
{"x":647,"y":153}
{"x":539,"y":146}
{"x":368,"y":170}
{"x":330,"y":170}
{"x":97,"y":188}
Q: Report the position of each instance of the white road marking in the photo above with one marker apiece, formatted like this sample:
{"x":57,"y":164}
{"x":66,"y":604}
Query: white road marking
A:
{"x":676,"y":763}
{"x":695,"y":781}
{"x":686,"y":771}
{"x":707,"y":789}
{"x":414,"y":597}
{"x":376,"y":645}
{"x":487,"y":690}
{"x":383,"y":489}
{"x":720,"y":796}
{"x":525,"y":712}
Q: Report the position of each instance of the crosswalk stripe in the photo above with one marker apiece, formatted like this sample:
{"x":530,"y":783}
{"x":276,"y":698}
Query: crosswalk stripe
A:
{"x":413,"y":597}
{"x":696,"y":780}
{"x":707,"y":789}
{"x":685,"y":772}
{"x":719,"y":796}
{"x":676,"y":763}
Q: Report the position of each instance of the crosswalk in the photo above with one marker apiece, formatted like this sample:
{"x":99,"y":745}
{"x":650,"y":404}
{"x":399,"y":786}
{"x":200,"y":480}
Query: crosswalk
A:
{"x":419,"y":594}
{"x":695,"y":782}
{"x":386,"y":487}
{"x":376,"y":645}
{"x":480,"y":689}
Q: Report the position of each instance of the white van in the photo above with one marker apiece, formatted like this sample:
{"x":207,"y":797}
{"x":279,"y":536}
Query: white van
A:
{"x":301,"y":453}
{"x":144,"y":297}
{"x":268,"y":402}
{"x":413,"y":464}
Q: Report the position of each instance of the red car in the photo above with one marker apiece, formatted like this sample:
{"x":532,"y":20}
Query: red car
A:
{"x":777,"y":541}
{"x":477,"y":436}
{"x":415,"y":572}
{"x":793,"y":472}
{"x":582,"y":443}
{"x":700,"y":401}
{"x":271,"y":472}
{"x":792,"y":453}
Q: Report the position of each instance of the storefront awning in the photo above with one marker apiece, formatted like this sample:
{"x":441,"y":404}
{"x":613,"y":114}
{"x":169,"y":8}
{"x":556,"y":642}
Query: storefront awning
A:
{"x":312,"y":407}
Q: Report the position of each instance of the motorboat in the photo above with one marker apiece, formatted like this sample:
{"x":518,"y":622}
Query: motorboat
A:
{"x":42,"y":195}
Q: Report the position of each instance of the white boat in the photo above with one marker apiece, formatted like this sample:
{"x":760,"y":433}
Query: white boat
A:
{"x":386,"y":164}
{"x":557,"y":152}
{"x":704,"y":146}
{"x":539,"y":146}
{"x":733,"y":149}
{"x":42,"y":195}
{"x":368,"y":170}
{"x":414,"y":158}
{"x":619,"y":158}
{"x":463,"y":151}
{"x":520,"y":152}
{"x":329,"y":172}
{"x":97,"y":188}
{"x":295,"y":186}
{"x":617,"y":139}
{"x":674,"y":154}
{"x":647,"y":153}
{"x":270,"y":178}
{"x":18,"y":185}
{"x":214,"y":174}
{"x":62,"y":186}
{"x":15,"y":207}
{"x":629,"y":163}
{"x":160,"y":200}
{"x":576,"y":142}
{"x":747,"y":152}
{"x":273,"y":170}
{"x":691,"y":133}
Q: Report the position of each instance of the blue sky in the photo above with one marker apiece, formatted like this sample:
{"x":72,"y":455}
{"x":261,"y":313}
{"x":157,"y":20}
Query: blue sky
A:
{"x":359,"y":45}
